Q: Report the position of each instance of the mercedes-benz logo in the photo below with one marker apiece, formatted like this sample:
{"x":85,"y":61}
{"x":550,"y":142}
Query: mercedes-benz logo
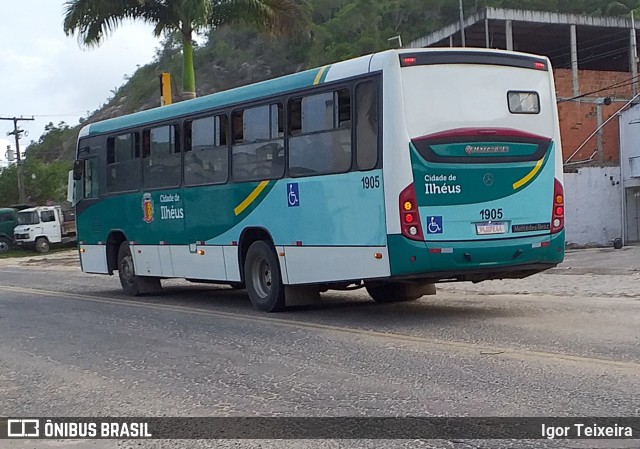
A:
{"x":488,"y":179}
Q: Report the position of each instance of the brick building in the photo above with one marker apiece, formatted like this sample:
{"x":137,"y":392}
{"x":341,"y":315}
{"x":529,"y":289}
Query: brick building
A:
{"x":596,"y":80}
{"x":580,"y":118}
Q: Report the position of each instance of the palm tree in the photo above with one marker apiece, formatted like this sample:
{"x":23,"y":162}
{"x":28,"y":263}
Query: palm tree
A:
{"x":93,"y":20}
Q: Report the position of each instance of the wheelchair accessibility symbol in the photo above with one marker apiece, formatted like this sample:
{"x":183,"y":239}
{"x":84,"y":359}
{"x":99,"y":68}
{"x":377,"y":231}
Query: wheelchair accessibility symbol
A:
{"x":293,"y":195}
{"x":434,"y":224}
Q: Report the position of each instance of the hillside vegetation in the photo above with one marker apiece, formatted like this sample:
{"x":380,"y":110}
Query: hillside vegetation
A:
{"x":234,"y":56}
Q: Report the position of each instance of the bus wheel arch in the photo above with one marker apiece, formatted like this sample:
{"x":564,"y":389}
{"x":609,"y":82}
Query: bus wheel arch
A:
{"x":133,"y":284}
{"x":114,"y":241}
{"x":263,"y":277}
{"x":248,"y":237}
{"x":260,"y":270}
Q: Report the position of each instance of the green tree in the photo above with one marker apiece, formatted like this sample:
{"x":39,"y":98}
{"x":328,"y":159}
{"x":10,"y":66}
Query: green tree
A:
{"x":92,"y":20}
{"x":43,"y":182}
{"x":348,"y":28}
{"x":46,"y":181}
{"x":53,"y":143}
{"x":8,"y":186}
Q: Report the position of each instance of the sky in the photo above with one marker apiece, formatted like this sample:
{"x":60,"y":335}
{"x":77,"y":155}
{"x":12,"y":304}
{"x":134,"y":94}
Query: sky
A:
{"x":48,"y":75}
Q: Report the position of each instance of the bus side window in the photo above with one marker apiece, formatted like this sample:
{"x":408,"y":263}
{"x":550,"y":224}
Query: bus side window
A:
{"x":90,"y":181}
{"x":146,"y":144}
{"x":123,"y":163}
{"x":366,"y":125}
{"x":237,"y":130}
{"x":295,"y":116}
{"x":206,"y":160}
{"x":258,"y":144}
{"x":277,"y":120}
{"x":161,"y":161}
{"x":344,"y":108}
{"x":323,"y":143}
{"x":187,"y":131}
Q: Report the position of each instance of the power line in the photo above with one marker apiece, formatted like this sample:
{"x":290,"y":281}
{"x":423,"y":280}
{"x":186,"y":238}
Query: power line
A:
{"x":70,"y":114}
{"x":606,"y":54}
{"x":584,"y":47}
{"x":595,"y":57}
{"x":60,"y":115}
{"x":600,"y":127}
{"x":623,"y":83}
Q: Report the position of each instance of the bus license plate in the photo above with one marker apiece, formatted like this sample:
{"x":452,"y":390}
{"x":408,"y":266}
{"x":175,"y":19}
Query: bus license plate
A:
{"x":497,"y":227}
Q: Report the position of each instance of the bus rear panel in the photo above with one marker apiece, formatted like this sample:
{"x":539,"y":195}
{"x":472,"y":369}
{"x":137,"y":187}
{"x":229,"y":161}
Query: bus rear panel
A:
{"x":485,"y":198}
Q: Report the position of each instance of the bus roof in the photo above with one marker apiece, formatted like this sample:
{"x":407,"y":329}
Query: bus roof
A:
{"x":211,"y":101}
{"x":258,"y":90}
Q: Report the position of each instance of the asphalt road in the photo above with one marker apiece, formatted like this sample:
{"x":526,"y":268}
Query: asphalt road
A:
{"x":72,"y":345}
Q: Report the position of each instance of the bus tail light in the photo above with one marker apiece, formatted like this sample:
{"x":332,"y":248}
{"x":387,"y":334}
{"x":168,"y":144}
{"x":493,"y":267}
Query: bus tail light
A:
{"x":557,"y":213}
{"x":409,"y":216}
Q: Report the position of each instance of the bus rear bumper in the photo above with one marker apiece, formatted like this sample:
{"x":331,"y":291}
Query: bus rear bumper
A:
{"x":476,"y":260}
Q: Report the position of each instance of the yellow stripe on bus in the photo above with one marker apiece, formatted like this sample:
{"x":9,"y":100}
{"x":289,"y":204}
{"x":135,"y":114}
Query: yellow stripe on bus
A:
{"x":319,"y":75}
{"x":528,"y":176}
{"x":260,"y":187}
{"x":251,"y":198}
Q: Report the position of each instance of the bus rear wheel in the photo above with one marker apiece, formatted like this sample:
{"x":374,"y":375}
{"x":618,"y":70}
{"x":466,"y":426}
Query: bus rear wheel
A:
{"x":389,"y":292}
{"x":262,"y":278}
{"x":132,"y":284}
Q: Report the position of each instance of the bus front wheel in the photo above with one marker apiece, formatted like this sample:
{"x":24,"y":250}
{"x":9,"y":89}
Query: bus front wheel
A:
{"x":132,"y":284}
{"x":397,"y":291}
{"x":262,"y":278}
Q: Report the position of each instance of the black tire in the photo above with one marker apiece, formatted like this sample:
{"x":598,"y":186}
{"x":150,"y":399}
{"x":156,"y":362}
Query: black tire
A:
{"x":5,"y":245}
{"x":391,"y":292}
{"x":132,"y":284}
{"x":42,"y":245}
{"x":262,"y":278}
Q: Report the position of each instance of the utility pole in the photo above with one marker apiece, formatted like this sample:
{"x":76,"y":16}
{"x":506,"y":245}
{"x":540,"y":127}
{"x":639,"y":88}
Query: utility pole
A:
{"x":634,"y":55}
{"x":17,"y":132}
{"x":464,"y":44}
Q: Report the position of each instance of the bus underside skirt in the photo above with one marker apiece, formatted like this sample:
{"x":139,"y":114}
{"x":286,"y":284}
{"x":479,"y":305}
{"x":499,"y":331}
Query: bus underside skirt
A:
{"x":479,"y":275}
{"x":474,"y":260}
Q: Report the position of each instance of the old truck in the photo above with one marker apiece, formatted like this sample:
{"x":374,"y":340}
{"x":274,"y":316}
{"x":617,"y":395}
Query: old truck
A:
{"x":40,"y":227}
{"x":8,"y":221}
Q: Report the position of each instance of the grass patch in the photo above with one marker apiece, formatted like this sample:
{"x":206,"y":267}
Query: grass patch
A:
{"x":17,"y":252}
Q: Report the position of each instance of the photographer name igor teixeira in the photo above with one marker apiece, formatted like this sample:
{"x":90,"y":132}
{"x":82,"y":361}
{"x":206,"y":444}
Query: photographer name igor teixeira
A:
{"x":581,"y":430}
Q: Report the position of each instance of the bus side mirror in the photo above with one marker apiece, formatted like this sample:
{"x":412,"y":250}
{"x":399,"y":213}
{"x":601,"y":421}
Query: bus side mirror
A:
{"x":78,"y":169}
{"x":71,"y":188}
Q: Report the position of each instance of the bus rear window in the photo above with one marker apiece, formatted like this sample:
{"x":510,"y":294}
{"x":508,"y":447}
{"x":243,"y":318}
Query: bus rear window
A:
{"x":523,"y":102}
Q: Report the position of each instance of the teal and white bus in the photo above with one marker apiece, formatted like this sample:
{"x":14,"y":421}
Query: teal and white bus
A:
{"x":392,"y":171}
